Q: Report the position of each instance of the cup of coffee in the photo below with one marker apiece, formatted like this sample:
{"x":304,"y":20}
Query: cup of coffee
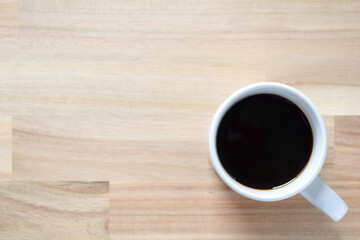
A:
{"x":268,"y":142}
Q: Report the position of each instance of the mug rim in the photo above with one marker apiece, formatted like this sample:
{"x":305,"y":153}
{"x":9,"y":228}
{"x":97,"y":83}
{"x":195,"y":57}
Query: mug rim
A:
{"x":315,"y":163}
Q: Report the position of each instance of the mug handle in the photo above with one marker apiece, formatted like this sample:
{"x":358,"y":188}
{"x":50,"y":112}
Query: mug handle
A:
{"x":325,"y":199}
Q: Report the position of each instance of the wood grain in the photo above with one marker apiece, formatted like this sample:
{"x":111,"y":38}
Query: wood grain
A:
{"x":133,"y":149}
{"x":124,"y":92}
{"x":5,"y":147}
{"x":330,"y":128}
{"x":213,"y":211}
{"x":90,"y":58}
{"x":54,"y":210}
{"x":9,"y":21}
{"x":347,"y":147}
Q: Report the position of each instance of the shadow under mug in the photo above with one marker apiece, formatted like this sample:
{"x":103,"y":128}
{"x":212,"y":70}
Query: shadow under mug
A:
{"x":307,"y":183}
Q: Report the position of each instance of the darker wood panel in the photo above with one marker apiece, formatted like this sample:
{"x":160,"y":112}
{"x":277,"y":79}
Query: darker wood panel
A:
{"x":347,"y":147}
{"x":54,"y":210}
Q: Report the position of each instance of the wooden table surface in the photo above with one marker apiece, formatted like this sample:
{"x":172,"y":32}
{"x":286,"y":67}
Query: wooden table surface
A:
{"x":105,"y":107}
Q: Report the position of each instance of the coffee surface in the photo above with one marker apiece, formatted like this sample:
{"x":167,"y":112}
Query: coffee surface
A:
{"x":264,"y":141}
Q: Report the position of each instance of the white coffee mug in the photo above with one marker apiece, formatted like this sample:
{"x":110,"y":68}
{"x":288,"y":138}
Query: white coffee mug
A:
{"x":307,"y":183}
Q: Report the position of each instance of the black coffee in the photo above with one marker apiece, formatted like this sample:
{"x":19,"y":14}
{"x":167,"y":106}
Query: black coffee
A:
{"x":264,"y":141}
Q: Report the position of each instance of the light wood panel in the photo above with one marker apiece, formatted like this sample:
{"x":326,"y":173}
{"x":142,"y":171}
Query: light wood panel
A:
{"x":213,"y":211}
{"x":325,"y":70}
{"x":134,"y":149}
{"x":329,"y":123}
{"x":54,"y":210}
{"x":9,"y":21}
{"x":5,"y":147}
{"x":87,"y":57}
{"x":124,"y":91}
